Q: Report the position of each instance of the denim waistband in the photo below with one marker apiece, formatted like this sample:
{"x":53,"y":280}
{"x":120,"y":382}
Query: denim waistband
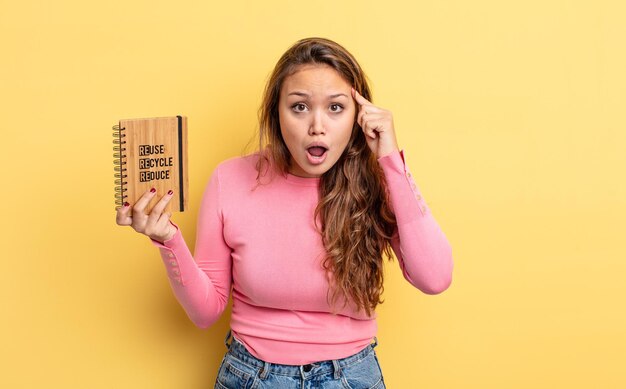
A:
{"x":239,"y":351}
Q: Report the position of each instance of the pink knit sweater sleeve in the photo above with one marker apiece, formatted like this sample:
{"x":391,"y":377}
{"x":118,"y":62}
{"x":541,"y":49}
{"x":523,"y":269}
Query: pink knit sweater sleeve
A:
{"x":422,"y":249}
{"x":202,"y":286}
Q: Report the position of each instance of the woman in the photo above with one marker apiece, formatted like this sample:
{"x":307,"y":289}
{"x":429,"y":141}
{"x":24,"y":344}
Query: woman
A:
{"x":299,"y":230}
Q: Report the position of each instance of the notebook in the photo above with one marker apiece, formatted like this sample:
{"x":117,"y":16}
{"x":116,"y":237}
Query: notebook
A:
{"x":151,"y":152}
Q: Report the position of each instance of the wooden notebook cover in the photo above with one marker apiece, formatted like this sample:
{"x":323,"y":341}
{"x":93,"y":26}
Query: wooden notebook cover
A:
{"x":155,"y":156}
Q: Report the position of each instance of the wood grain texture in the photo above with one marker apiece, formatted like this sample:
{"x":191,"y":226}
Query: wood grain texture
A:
{"x":152,"y":157}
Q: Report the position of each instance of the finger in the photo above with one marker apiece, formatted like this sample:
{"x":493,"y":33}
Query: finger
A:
{"x":164,"y":220}
{"x":361,"y":117}
{"x":360,"y":99}
{"x":165,"y":225}
{"x":143,"y":202}
{"x":370,"y":111}
{"x":157,"y":210}
{"x":370,"y":133}
{"x":122,"y":218}
{"x":370,"y":127}
{"x":366,"y":118}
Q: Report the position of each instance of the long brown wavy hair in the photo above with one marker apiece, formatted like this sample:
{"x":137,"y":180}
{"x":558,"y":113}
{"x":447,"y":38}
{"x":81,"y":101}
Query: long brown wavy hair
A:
{"x":356,"y":220}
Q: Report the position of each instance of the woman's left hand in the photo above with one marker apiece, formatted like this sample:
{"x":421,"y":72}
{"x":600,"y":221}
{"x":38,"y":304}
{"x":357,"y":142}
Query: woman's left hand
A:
{"x":377,"y":124}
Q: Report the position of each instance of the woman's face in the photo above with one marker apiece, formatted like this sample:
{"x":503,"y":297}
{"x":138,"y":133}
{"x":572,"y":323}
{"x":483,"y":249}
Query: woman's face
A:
{"x":316,"y":113}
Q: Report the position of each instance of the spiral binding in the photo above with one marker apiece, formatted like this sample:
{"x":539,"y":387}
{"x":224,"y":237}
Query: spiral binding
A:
{"x":119,"y":168}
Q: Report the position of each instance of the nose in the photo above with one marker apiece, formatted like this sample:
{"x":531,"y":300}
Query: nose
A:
{"x":317,"y":124}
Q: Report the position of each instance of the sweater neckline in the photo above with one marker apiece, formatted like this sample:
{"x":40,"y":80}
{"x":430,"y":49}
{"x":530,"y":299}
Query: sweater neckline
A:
{"x":304,"y":181}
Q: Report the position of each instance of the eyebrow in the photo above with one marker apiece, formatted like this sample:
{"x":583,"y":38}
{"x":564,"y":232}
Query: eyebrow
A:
{"x":308,"y":95}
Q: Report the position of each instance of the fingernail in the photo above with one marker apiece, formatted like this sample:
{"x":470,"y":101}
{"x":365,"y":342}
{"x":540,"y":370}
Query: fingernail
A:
{"x":152,"y":190}
{"x":169,"y":192}
{"x":126,"y":203}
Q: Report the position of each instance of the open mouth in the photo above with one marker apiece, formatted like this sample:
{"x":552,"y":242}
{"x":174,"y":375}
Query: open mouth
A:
{"x":316,"y":154}
{"x":317,"y":151}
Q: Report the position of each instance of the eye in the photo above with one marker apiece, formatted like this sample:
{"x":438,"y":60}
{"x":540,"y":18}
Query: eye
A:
{"x":337,"y":105}
{"x":297,"y":105}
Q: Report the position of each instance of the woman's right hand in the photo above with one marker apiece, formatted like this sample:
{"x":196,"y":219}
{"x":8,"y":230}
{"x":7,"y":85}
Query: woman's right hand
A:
{"x":156,"y":225}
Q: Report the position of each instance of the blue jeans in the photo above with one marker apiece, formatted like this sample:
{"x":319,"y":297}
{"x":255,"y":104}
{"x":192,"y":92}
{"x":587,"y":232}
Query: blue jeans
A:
{"x":242,"y":370}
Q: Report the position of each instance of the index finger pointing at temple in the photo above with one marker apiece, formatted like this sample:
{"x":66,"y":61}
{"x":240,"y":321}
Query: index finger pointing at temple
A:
{"x":360,"y":99}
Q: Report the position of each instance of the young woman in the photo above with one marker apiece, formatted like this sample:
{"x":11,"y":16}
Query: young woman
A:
{"x":299,"y":231}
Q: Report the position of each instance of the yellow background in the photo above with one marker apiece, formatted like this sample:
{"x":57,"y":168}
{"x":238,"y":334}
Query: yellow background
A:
{"x":511,"y":115}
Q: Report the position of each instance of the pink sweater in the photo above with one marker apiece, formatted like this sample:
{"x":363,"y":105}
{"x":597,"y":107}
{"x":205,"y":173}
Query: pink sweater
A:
{"x":264,"y":244}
